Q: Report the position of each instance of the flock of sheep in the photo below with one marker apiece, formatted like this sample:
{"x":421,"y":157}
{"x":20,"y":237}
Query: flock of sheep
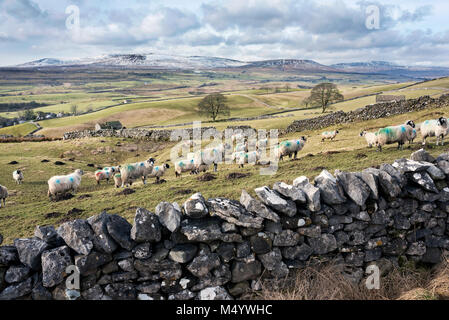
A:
{"x":244,"y":152}
{"x":407,"y":132}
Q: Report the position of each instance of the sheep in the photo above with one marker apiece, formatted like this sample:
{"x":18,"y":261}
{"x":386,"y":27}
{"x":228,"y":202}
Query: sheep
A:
{"x":290,"y":147}
{"x":393,"y":134}
{"x":413,"y":136}
{"x":18,"y":176}
{"x":63,"y":184}
{"x":185,"y":165}
{"x":370,"y":137}
{"x":117,"y":180}
{"x":241,"y":147}
{"x":133,"y":171}
{"x":261,"y":144}
{"x":434,"y":128}
{"x":329,"y":135}
{"x":242,"y":157}
{"x":159,"y":171}
{"x":3,"y":195}
{"x":105,"y":173}
{"x":212,"y":155}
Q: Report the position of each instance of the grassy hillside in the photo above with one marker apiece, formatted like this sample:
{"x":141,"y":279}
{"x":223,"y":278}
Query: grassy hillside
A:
{"x":19,"y":130}
{"x":29,"y":206}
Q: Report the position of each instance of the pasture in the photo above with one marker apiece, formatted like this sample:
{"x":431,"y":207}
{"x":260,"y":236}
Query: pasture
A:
{"x":29,"y":206}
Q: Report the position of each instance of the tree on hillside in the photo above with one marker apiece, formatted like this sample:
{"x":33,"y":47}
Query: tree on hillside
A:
{"x":214,"y":105}
{"x":74,"y":109}
{"x":324,"y":94}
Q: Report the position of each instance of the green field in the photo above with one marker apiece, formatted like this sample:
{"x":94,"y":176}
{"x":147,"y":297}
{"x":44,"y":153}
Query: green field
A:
{"x":29,"y":206}
{"x":19,"y":130}
{"x":167,"y":98}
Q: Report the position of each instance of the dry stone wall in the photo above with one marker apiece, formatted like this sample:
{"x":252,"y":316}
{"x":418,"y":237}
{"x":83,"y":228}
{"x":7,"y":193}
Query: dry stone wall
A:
{"x":370,"y":112}
{"x":220,"y":248}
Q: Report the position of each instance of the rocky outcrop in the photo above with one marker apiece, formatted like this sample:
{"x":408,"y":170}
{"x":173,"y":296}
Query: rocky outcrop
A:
{"x":220,"y":248}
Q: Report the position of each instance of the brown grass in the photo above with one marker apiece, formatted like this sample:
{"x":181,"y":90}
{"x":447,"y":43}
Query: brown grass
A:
{"x":326,"y":281}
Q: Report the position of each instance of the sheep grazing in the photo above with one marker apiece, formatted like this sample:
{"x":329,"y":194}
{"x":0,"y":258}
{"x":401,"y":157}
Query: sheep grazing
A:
{"x":261,"y":144}
{"x":395,"y":134}
{"x":18,"y":176}
{"x":117,"y":180}
{"x":290,"y":147}
{"x":329,"y":135}
{"x":413,"y":136}
{"x":242,"y":157}
{"x":185,"y":165}
{"x":370,"y":137}
{"x":131,"y":172}
{"x":60,"y":185}
{"x":159,"y":171}
{"x":212,"y":155}
{"x":434,"y":128}
{"x":241,"y":147}
{"x":3,"y":195}
{"x":105,"y":174}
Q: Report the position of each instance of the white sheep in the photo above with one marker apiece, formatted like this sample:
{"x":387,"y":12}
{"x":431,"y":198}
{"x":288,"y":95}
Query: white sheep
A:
{"x":395,"y":134}
{"x":159,"y":171}
{"x":3,"y":195}
{"x":290,"y":147}
{"x":105,"y":173}
{"x":212,"y":156}
{"x":118,"y":180}
{"x":261,"y":144}
{"x":370,"y":137}
{"x":434,"y":128}
{"x":329,"y":135}
{"x":138,"y":170}
{"x":413,"y":136}
{"x":18,"y":176}
{"x":242,"y":157}
{"x":243,"y":146}
{"x":63,"y":184}
{"x":185,"y":165}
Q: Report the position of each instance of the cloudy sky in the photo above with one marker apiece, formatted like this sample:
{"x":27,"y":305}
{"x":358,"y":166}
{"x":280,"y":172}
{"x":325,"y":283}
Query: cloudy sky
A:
{"x":408,"y":32}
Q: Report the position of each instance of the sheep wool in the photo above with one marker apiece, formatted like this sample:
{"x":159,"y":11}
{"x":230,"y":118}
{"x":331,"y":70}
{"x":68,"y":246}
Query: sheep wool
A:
{"x":18,"y":176}
{"x":117,"y":180}
{"x":370,"y":137}
{"x":395,"y":134}
{"x":159,"y":171}
{"x":329,"y":135}
{"x":63,"y":184}
{"x":434,"y":128}
{"x":138,"y":170}
{"x":105,"y":174}
{"x":3,"y":195}
{"x":290,"y":147}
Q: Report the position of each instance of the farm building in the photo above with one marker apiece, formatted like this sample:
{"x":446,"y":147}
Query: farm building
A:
{"x":388,"y":98}
{"x":115,"y":125}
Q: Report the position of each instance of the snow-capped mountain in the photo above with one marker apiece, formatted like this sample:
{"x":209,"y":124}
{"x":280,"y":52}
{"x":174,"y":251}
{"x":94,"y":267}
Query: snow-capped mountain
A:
{"x":292,"y":64}
{"x":176,"y":62}
{"x":151,"y":60}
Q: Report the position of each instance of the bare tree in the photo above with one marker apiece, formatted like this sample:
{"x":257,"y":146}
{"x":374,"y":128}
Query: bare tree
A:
{"x":74,"y":109}
{"x":324,"y":94}
{"x":214,"y":105}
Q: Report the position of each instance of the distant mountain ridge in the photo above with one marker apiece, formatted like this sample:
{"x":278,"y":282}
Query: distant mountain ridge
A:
{"x":167,"y":61}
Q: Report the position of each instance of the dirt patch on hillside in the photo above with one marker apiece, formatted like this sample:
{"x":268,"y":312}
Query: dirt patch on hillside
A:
{"x":126,"y":192}
{"x":207,"y":177}
{"x":184,"y":191}
{"x":237,"y":175}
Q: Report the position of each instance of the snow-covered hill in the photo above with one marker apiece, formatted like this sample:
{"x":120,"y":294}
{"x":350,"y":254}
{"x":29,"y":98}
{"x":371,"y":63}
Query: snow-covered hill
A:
{"x":161,"y":61}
